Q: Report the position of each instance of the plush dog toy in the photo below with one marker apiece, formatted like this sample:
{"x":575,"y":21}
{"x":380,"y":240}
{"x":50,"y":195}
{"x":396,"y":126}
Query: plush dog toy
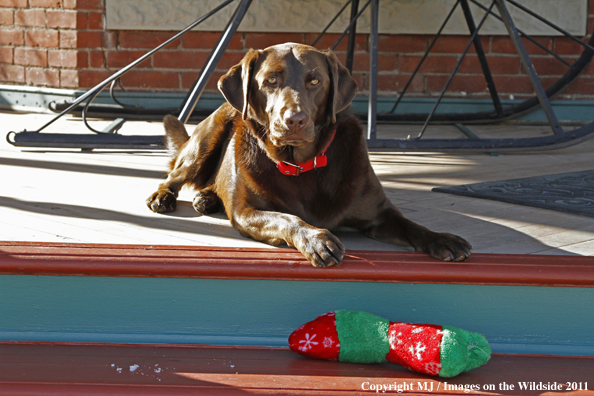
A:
{"x":361,"y":337}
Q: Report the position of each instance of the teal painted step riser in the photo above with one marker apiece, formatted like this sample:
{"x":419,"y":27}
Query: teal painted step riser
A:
{"x":23,"y":98}
{"x":543,"y":320}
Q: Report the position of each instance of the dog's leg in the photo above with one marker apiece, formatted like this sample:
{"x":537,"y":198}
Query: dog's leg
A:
{"x":392,"y":227}
{"x":196,"y":160}
{"x":165,"y":198}
{"x":206,"y":201}
{"x":319,"y":246}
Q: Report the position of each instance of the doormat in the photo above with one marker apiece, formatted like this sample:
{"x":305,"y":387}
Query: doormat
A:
{"x":565,"y":192}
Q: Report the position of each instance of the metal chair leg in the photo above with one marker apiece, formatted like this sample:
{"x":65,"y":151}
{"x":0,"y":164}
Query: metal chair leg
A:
{"x":213,"y":60}
{"x":373,"y":39}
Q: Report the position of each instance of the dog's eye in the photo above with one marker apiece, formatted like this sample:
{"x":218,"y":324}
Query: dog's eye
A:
{"x":315,"y":81}
{"x":272,"y":80}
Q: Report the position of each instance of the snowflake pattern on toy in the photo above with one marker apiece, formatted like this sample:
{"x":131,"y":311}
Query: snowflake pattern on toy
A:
{"x":416,"y":347}
{"x":317,"y":338}
{"x":308,"y":342}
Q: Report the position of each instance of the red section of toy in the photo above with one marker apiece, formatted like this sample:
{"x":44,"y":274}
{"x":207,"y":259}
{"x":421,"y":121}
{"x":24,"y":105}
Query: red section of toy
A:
{"x":317,"y":339}
{"x":415,"y":346}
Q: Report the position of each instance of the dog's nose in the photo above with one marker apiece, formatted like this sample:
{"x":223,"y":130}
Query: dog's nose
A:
{"x":295,"y":120}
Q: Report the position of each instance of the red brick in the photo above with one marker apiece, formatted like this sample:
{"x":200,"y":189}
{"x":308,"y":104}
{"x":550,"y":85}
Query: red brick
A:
{"x":385,"y":62}
{"x":6,"y":55}
{"x":89,"y":40}
{"x":119,"y":59}
{"x":188,"y":78}
{"x":151,"y":79}
{"x":503,"y":44}
{"x":208,"y":40}
{"x":89,"y":4}
{"x":30,"y":57}
{"x":42,"y":38}
{"x":35,"y":18}
{"x":13,"y":3}
{"x":456,"y":44}
{"x":230,"y":59}
{"x":68,"y":79}
{"x":590,"y":26}
{"x":329,"y":39}
{"x":12,"y":37}
{"x":497,"y":65}
{"x":432,"y":64}
{"x":45,"y":77}
{"x":62,"y":58}
{"x":95,"y":21}
{"x":97,"y":59}
{"x":61,"y":19}
{"x":82,"y":59}
{"x":146,"y":40}
{"x":180,"y":60}
{"x":397,"y":82}
{"x":6,"y":17}
{"x":110,"y":40}
{"x":12,"y":73}
{"x":402,"y":43}
{"x":264,"y":40}
{"x":46,"y":3}
{"x":512,"y":84}
{"x":90,"y":78}
{"x":549,"y":66}
{"x":69,"y":4}
{"x":583,"y":86}
{"x":548,"y":81}
{"x":82,"y":20}
{"x":459,"y":84}
{"x":566,"y":46}
{"x":68,"y":39}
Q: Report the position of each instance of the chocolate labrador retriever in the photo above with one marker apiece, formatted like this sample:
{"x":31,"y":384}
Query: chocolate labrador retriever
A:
{"x":289,"y":162}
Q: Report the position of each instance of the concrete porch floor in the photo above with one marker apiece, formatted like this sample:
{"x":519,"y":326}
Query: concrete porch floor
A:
{"x":58,"y":195}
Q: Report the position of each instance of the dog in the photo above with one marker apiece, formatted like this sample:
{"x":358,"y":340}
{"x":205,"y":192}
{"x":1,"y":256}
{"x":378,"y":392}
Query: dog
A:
{"x":288,"y":161}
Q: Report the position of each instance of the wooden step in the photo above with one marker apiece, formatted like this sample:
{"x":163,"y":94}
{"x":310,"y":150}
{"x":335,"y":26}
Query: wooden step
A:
{"x":64,"y":292}
{"x":30,"y":258}
{"x":109,"y":369}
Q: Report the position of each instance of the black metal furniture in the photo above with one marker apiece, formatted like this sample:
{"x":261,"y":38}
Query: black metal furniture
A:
{"x":109,"y":138}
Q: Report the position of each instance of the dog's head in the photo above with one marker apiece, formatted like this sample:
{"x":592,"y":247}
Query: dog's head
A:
{"x":291,"y":90}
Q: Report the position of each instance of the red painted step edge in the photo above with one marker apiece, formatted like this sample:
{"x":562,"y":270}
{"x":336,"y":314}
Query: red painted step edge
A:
{"x":66,"y":259}
{"x":60,"y":369}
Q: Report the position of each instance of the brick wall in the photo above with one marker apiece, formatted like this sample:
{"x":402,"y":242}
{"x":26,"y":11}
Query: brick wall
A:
{"x":63,"y":44}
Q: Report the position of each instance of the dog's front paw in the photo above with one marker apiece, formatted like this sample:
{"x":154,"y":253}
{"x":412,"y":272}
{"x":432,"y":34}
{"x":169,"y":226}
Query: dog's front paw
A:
{"x":162,"y":201}
{"x":320,"y":247}
{"x":447,"y":247}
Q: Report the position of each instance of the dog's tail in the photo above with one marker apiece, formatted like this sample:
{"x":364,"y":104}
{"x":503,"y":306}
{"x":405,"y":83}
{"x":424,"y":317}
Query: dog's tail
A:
{"x":175,"y":134}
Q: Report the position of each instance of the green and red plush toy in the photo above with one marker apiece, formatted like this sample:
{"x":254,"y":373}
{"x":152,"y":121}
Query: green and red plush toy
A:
{"x":361,"y":337}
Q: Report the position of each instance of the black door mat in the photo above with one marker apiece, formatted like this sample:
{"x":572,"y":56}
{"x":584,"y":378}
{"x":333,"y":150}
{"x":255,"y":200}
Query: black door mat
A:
{"x":565,"y":192}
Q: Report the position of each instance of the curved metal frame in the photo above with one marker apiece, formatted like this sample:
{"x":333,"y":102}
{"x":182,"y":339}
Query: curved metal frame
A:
{"x":108,"y":139}
{"x":558,"y":139}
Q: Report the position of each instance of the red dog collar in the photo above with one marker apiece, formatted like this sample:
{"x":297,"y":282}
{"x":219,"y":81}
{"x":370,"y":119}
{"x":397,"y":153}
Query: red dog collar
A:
{"x":289,"y":169}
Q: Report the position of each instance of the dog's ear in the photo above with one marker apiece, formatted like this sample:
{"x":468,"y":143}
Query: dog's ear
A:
{"x":343,"y":87}
{"x":235,"y":84}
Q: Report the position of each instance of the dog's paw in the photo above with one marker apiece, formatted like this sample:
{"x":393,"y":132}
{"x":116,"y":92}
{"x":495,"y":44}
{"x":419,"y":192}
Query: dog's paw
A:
{"x":205,"y":202}
{"x":321,"y":248}
{"x":162,"y":201}
{"x":448,"y":247}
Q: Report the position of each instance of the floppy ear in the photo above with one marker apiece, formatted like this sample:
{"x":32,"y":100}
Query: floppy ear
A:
{"x":343,"y":87}
{"x":235,"y":84}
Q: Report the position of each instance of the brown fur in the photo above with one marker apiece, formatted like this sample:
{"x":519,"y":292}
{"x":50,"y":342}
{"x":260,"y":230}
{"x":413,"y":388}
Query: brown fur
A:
{"x":282,"y":105}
